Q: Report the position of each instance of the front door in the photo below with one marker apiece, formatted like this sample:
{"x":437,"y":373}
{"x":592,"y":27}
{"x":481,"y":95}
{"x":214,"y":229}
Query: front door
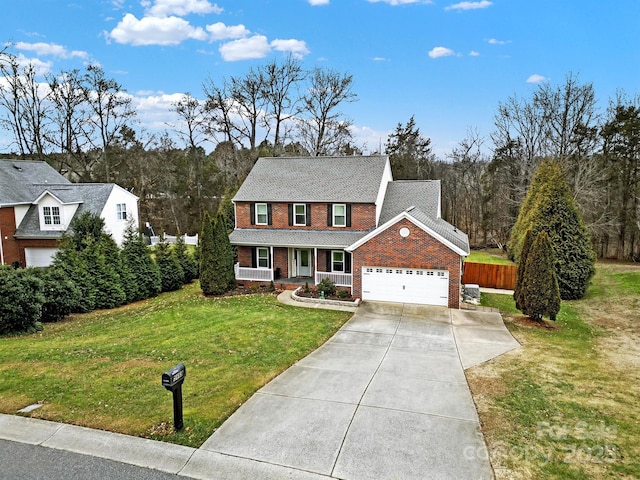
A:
{"x":303,"y":263}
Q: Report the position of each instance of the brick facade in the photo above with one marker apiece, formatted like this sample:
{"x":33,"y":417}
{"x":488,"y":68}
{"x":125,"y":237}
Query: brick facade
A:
{"x":418,"y":250}
{"x":363,"y":217}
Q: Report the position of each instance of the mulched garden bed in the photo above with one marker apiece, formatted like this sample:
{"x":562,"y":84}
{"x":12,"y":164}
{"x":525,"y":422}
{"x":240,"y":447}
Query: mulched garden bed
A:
{"x":316,"y":294}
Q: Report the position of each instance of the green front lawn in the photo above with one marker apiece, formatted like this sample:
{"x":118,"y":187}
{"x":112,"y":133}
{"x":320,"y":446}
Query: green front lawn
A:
{"x":103,"y":369}
{"x":565,"y":406}
{"x":489,"y":255}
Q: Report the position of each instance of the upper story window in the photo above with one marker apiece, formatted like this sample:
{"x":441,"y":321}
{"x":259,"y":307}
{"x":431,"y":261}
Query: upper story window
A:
{"x":262,"y":217}
{"x":339,"y":215}
{"x":299,"y":214}
{"x":121,"y":211}
{"x":51,"y":215}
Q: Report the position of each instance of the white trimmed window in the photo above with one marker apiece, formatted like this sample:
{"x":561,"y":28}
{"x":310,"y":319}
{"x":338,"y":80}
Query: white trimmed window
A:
{"x":339,"y":215}
{"x":51,"y":216}
{"x":337,"y":261}
{"x":121,"y":211}
{"x":262,"y":217}
{"x":262,"y":257}
{"x":299,"y":214}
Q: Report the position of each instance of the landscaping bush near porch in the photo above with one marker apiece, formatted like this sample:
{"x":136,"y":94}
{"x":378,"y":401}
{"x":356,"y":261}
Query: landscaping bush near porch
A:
{"x":103,"y":369}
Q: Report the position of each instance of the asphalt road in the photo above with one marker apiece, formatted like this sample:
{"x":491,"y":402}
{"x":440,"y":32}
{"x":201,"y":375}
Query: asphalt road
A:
{"x":21,"y":461}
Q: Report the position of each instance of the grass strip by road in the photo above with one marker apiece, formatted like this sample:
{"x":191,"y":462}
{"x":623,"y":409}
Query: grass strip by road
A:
{"x":565,"y":406}
{"x":103,"y":369}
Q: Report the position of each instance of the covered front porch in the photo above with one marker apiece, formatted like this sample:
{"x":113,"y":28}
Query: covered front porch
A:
{"x":303,"y":265}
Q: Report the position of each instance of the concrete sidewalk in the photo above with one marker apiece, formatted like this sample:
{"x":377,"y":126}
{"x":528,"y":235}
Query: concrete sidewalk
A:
{"x":386,"y":397}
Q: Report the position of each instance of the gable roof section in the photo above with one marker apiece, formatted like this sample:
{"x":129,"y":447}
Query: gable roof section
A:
{"x":402,"y":194}
{"x":441,"y":230}
{"x":21,"y":180}
{"x":91,"y":196}
{"x":347,"y":179}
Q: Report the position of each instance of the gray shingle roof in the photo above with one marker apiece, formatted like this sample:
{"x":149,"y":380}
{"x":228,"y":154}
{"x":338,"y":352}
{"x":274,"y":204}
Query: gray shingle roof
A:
{"x":93,"y":197}
{"x":20,"y":180}
{"x":402,"y":194}
{"x":442,"y":228}
{"x":295,"y":238}
{"x":314,"y":179}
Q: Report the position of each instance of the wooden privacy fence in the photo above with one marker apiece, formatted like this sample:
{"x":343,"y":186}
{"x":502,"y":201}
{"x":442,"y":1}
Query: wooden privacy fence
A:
{"x":489,"y":275}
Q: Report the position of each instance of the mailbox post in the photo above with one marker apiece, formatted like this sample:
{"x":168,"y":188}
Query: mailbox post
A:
{"x":172,"y":380}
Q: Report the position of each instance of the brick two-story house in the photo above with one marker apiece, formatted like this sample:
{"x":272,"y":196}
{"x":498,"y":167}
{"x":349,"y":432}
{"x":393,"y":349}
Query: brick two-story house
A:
{"x":37,"y":205}
{"x":344,"y":218}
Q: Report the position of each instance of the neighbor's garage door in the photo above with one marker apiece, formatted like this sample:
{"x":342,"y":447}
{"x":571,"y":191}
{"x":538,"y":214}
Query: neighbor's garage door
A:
{"x":39,"y":257}
{"x":404,"y":285}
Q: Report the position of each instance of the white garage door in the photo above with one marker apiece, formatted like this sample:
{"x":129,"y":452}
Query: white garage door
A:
{"x":405,"y":285}
{"x":39,"y":257}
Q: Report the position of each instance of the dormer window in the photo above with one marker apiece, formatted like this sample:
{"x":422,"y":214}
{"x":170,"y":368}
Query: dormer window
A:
{"x":51,"y":215}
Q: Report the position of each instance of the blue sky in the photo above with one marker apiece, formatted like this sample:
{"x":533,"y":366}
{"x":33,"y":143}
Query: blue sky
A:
{"x":448,"y":63}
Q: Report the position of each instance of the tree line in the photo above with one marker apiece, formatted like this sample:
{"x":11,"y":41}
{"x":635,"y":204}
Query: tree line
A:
{"x":84,"y":125}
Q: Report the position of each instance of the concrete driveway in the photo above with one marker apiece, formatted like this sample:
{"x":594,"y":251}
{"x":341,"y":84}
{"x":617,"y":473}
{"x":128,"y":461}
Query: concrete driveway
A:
{"x":386,"y":397}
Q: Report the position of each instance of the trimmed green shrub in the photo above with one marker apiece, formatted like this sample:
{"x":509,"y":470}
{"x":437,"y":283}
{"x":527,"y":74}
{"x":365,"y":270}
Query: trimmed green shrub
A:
{"x":74,"y":265}
{"x":171,"y":273}
{"x":61,"y":295}
{"x":540,"y":292}
{"x":327,"y":286}
{"x":106,"y":281}
{"x":549,"y":207}
{"x":22,"y":300}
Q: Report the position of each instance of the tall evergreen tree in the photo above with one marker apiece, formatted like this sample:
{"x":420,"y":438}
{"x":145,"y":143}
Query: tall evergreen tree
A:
{"x":549,"y":207}
{"x":520,"y":271}
{"x":187,"y":261}
{"x":540,"y":293}
{"x":171,"y":273}
{"x":225,"y":255}
{"x":135,"y":255}
{"x":207,"y":257}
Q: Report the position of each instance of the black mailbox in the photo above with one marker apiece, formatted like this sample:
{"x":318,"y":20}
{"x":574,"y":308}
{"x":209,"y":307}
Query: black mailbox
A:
{"x":172,"y":380}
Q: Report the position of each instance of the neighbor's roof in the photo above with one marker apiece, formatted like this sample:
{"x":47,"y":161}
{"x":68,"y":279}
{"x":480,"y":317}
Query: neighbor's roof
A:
{"x":91,"y":196}
{"x":402,"y":194}
{"x":295,"y":238}
{"x":314,"y":179}
{"x":21,"y":180}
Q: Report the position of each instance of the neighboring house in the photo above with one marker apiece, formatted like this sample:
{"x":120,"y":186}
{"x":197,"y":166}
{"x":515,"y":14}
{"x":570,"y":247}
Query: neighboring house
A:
{"x":37,"y":205}
{"x":344,"y":218}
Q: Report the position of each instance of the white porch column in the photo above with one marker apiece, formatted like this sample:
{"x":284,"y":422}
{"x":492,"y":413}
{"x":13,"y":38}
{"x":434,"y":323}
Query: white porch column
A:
{"x":272,"y":262}
{"x":315,"y":265}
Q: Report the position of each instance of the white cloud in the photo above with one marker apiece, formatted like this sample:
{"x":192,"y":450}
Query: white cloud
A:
{"x":163,"y":8}
{"x":399,"y":2}
{"x":220,"y":31}
{"x":473,"y":53}
{"x":380,"y":59}
{"x":245,"y":48}
{"x":155,"y":31}
{"x":318,"y":2}
{"x":40,"y":66}
{"x":298,"y":48}
{"x":535,"y":78}
{"x":469,"y":5}
{"x":41,"y":48}
{"x":495,"y":41}
{"x":438,"y":52}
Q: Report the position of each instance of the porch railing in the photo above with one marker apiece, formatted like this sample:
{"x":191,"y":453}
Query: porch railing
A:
{"x":339,"y":279}
{"x":256,"y":274}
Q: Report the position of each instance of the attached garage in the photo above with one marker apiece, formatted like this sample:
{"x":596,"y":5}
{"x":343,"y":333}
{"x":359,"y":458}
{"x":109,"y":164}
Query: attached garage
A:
{"x":405,"y":285}
{"x":39,"y":257}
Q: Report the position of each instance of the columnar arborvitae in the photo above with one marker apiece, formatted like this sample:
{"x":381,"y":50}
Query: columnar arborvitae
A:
{"x":135,"y":255}
{"x":171,"y":273}
{"x":540,"y":293}
{"x":207,"y":255}
{"x":225,"y":252}
{"x":186,"y":260}
{"x":522,"y":264}
{"x":549,"y":207}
